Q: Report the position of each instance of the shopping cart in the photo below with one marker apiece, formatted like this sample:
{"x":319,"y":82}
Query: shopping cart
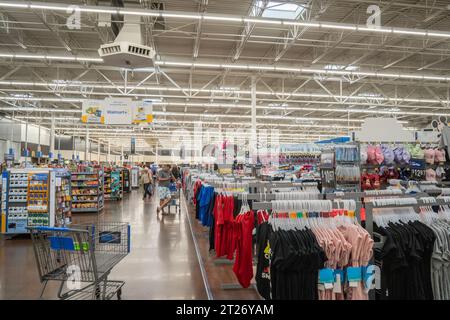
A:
{"x":81,"y":257}
{"x":174,"y":198}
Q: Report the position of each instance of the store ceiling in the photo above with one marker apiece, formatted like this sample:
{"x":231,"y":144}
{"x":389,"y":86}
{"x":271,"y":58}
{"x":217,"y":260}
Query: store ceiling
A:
{"x":378,"y":73}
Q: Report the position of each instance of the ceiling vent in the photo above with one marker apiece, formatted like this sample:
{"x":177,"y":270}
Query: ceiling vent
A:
{"x":127,"y":50}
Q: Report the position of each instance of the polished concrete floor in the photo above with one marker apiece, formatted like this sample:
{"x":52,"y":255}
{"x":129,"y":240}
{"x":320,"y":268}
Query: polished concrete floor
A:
{"x":218,"y":274}
{"x":162,"y":264}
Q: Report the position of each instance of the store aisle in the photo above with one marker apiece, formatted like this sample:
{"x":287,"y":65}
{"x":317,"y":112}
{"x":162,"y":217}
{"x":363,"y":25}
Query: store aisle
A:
{"x":162,"y":263}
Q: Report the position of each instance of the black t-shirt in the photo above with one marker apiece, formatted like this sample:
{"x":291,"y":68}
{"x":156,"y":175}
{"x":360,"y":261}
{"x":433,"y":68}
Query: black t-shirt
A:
{"x":262,"y":276}
{"x":405,"y":261}
{"x":295,"y":262}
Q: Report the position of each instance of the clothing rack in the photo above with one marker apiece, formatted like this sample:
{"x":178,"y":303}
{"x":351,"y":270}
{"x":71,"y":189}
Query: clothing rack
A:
{"x":336,"y":205}
{"x":370,"y":194}
{"x":265,"y":196}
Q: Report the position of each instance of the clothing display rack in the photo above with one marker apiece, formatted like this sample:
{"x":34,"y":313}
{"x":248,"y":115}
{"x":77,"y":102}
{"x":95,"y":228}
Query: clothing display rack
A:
{"x":335,"y":204}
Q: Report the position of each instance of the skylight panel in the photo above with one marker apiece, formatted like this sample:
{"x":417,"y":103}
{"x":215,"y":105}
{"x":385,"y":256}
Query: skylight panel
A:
{"x":281,"y":10}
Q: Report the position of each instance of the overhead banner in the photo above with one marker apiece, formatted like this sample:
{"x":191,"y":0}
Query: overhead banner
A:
{"x":93,"y":111}
{"x":143,"y":112}
{"x":118,"y":111}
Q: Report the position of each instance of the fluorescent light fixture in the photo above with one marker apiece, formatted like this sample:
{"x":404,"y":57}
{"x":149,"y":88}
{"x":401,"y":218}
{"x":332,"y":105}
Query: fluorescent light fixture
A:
{"x":221,"y":18}
{"x":350,"y":70}
{"x":139,"y":13}
{"x":337,"y":26}
{"x":181,"y":15}
{"x":265,"y":21}
{"x":48,"y":7}
{"x":41,"y":99}
{"x":382,"y":30}
{"x":13,"y":5}
{"x":418,"y":33}
{"x":283,"y":14}
{"x":28,"y":56}
{"x":49,"y":57}
{"x":93,"y":10}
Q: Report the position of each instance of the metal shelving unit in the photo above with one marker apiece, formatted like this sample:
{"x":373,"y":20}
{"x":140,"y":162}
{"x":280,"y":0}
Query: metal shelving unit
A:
{"x":85,"y":194}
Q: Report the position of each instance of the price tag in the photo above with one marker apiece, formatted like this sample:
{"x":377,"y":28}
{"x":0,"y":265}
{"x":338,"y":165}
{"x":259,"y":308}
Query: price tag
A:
{"x":326,"y":277}
{"x":354,"y":276}
{"x":338,"y":279}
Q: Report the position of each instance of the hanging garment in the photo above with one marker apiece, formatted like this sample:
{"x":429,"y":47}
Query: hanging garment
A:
{"x":295,"y":260}
{"x":243,"y":265}
{"x":405,"y":260}
{"x":262,"y":276}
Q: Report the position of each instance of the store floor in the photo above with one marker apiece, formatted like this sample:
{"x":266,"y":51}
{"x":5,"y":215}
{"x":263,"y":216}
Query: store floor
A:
{"x":162,"y":264}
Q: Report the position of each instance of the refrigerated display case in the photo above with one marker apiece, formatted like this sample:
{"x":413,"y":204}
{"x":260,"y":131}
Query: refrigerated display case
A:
{"x":135,"y":173}
{"x":126,"y":180}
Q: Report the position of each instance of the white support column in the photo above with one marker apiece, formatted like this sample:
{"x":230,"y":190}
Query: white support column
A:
{"x":26,"y":143}
{"x":86,"y":146}
{"x":10,"y":143}
{"x":52,"y":138}
{"x":121,"y":154}
{"x":98,"y":151}
{"x":39,"y":144}
{"x":253,"y":141}
{"x":109,"y":152}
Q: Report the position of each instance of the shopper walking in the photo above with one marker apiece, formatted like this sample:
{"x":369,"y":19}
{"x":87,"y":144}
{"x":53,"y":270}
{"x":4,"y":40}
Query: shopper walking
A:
{"x":164,"y":178}
{"x":146,"y":180}
{"x":176,"y":172}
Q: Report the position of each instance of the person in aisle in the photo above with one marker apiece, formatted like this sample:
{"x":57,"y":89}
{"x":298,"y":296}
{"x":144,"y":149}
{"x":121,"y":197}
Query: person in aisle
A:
{"x":146,"y":181}
{"x":164,"y":177}
{"x":176,"y":172}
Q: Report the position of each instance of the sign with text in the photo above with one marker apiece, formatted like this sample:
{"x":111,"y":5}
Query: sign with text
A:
{"x":142,"y":112}
{"x":118,"y":111}
{"x":93,"y":111}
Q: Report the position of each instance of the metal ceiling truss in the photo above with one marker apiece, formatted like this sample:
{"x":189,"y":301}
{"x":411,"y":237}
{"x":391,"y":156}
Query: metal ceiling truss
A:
{"x":342,"y":99}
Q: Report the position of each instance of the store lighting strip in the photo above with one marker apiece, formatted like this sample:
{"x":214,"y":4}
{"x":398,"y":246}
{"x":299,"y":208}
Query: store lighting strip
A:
{"x":210,"y":91}
{"x":247,"y":67}
{"x":243,"y":67}
{"x":50,"y":57}
{"x":220,"y":105}
{"x":223,"y":18}
{"x":214,"y":116}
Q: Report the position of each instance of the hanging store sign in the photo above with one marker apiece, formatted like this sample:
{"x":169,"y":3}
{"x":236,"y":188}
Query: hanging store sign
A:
{"x":142,"y":112}
{"x":118,"y":111}
{"x":93,"y":111}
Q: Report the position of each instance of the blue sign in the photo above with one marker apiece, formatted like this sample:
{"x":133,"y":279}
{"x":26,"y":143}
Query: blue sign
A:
{"x":335,"y":140}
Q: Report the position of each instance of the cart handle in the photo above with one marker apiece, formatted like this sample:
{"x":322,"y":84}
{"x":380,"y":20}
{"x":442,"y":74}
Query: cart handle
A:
{"x":43,"y":228}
